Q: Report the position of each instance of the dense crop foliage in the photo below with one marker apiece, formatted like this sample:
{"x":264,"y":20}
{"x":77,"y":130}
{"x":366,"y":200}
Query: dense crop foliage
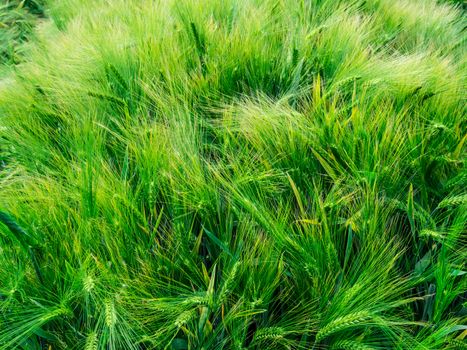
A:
{"x":17,"y":18}
{"x":236,"y":174}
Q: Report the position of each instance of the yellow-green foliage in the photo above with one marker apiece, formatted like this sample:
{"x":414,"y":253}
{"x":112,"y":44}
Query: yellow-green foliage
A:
{"x":236,"y":174}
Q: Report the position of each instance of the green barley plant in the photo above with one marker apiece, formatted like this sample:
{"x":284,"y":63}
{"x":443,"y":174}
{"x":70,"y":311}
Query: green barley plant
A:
{"x":17,"y":20}
{"x":238,"y":174}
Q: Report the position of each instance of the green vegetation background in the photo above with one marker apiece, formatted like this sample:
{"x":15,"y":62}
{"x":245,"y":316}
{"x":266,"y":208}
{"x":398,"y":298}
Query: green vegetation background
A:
{"x":237,"y":174}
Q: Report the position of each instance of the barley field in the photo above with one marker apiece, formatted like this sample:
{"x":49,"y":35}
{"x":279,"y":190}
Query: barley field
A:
{"x":233,"y":174}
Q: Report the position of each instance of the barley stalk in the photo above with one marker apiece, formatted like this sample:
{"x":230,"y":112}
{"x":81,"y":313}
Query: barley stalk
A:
{"x":453,"y":201}
{"x":110,"y":313}
{"x":228,"y":283}
{"x":92,"y":341}
{"x":342,"y":323}
{"x":88,"y":284}
{"x":184,"y":318}
{"x":270,"y":333}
